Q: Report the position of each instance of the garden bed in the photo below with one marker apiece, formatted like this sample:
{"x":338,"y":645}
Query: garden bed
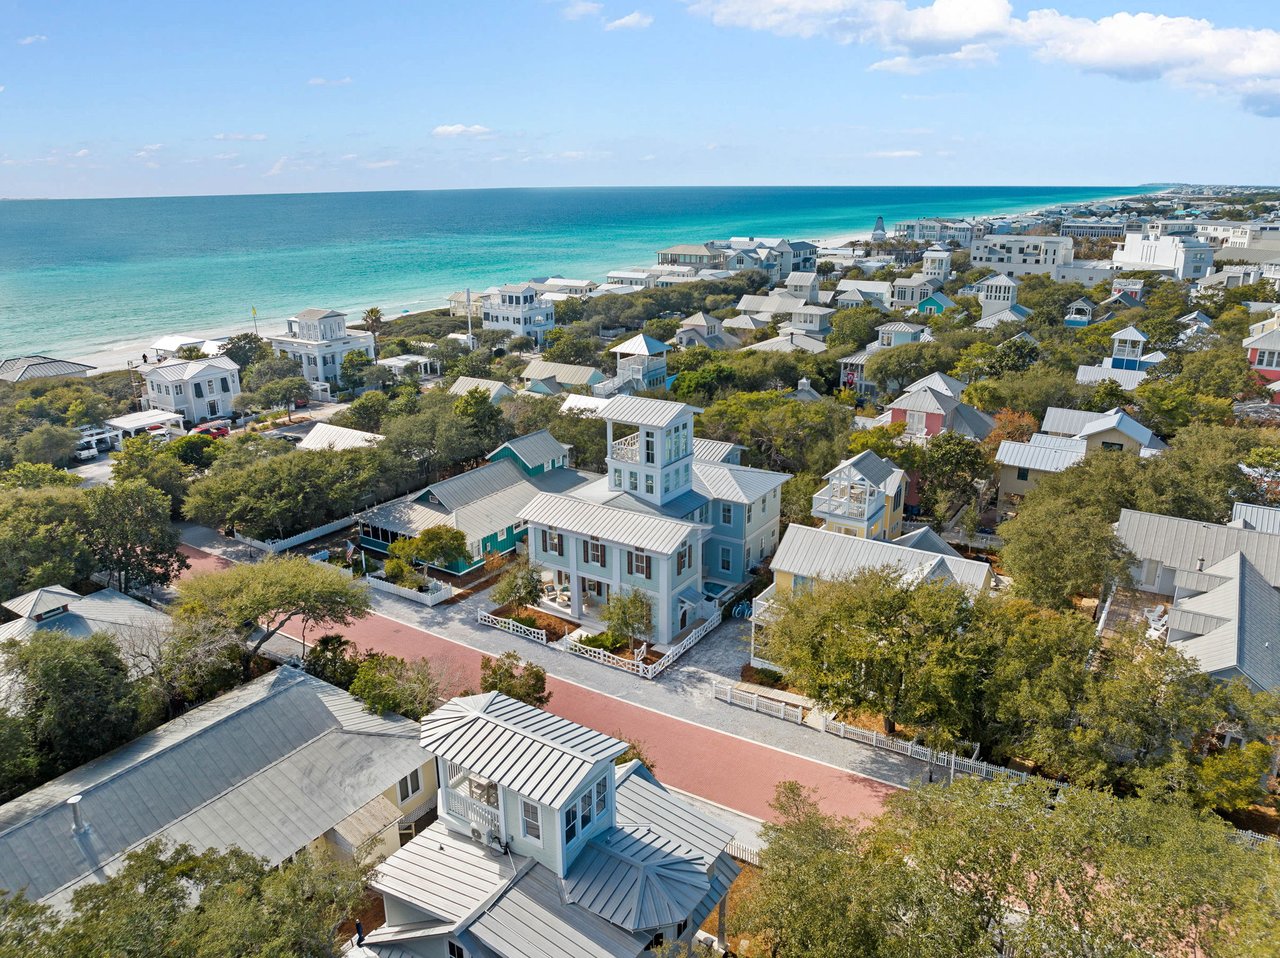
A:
{"x":553,"y":625}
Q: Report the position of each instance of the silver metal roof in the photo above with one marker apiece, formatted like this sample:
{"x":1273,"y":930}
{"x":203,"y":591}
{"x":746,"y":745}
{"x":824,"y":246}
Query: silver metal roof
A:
{"x":1182,"y":543}
{"x":1121,"y":421}
{"x":539,"y":755}
{"x":535,"y":448}
{"x":1067,"y":422}
{"x":869,"y":466}
{"x":464,"y":384}
{"x":641,"y":345}
{"x":731,"y":483}
{"x":326,"y":436}
{"x":926,"y":540}
{"x":1262,"y":518}
{"x":819,"y":554}
{"x":925,"y":399}
{"x":948,"y":385}
{"x":638,"y":411}
{"x":466,"y":487}
{"x":566,"y":374}
{"x":125,"y":619}
{"x":1039,"y":458}
{"x":713,"y":450}
{"x":21,"y":368}
{"x":269,"y":767}
{"x":1126,"y":378}
{"x":608,"y":523}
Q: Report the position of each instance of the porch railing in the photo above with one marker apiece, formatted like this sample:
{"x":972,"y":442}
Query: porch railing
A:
{"x":469,"y":810}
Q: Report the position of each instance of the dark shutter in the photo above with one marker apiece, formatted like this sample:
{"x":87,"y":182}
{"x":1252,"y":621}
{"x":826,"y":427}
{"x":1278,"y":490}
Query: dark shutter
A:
{"x":544,"y":541}
{"x":586,"y":551}
{"x":630,"y":563}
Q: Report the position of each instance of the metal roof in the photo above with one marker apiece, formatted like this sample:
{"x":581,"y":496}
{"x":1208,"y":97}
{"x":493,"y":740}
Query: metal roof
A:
{"x":269,"y":767}
{"x":1121,"y":421}
{"x":126,"y":619}
{"x":732,"y":483}
{"x":925,"y":399}
{"x":181,"y":370}
{"x":926,"y":540}
{"x":1262,"y":518}
{"x":143,"y":419}
{"x":899,"y":327}
{"x":443,"y":874}
{"x":869,"y":466}
{"x":608,"y":523}
{"x":323,"y":435}
{"x":1040,"y":458}
{"x":539,"y":755}
{"x":535,"y":448}
{"x":40,"y":601}
{"x":1130,"y":333}
{"x":566,"y":374}
{"x":1182,"y":543}
{"x":939,"y":382}
{"x":641,"y":345}
{"x":1127,"y":379}
{"x":21,"y":368}
{"x":464,"y":384}
{"x":713,"y":450}
{"x":589,"y":406}
{"x":790,"y":342}
{"x":642,"y":800}
{"x":1067,"y":422}
{"x":466,"y":487}
{"x":820,"y":554}
{"x":318,"y":314}
{"x":638,"y":411}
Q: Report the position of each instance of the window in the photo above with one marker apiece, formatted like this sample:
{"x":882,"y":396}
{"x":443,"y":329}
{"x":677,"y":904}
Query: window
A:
{"x":585,"y":807}
{"x":726,"y":559}
{"x":617,"y":478}
{"x":915,"y":422}
{"x":726,"y":515}
{"x":410,"y":785}
{"x":648,"y":483}
{"x":666,"y":482}
{"x":639,"y":564}
{"x":1113,"y":446}
{"x":593,"y":552}
{"x":226,"y":386}
{"x":649,"y":456}
{"x":531,"y":820}
{"x":177,"y":389}
{"x":633,"y":481}
{"x":195,"y":388}
{"x":1023,"y":474}
{"x":456,"y":950}
{"x":602,"y":796}
{"x":570,"y":823}
{"x":748,"y":512}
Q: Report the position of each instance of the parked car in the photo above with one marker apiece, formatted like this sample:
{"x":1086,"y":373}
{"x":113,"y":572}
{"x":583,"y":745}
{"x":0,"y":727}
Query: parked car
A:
{"x":217,"y":428}
{"x":159,"y":432}
{"x":86,"y":451}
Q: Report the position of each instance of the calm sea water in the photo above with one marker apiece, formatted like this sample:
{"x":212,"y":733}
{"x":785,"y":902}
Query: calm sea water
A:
{"x":82,"y":276}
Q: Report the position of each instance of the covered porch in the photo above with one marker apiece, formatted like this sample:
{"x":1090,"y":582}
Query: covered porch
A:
{"x":471,"y":799}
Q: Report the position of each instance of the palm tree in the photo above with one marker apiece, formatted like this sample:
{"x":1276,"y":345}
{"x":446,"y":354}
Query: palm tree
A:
{"x":372,"y":320}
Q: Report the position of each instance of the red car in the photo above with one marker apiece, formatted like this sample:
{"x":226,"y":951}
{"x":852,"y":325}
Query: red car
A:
{"x":217,"y":429}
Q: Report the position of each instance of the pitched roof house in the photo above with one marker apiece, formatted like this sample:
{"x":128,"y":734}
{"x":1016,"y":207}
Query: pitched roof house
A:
{"x":545,"y":847}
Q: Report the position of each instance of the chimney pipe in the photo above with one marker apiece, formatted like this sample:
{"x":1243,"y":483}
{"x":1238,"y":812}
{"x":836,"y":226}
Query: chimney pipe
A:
{"x":78,"y":826}
{"x":1200,"y":564}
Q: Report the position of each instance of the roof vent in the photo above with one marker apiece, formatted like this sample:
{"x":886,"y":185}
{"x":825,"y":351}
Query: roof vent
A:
{"x":78,"y":827}
{"x":1200,"y":564}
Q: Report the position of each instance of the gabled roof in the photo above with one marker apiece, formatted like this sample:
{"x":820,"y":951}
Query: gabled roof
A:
{"x":1067,"y":422}
{"x":790,"y":342}
{"x":1040,"y":458}
{"x":1130,"y":333}
{"x":820,"y":554}
{"x":180,"y":370}
{"x":925,"y":399}
{"x":1262,"y":518}
{"x":609,"y":523}
{"x":1182,"y":543}
{"x":464,"y":384}
{"x":639,"y":411}
{"x":41,"y":601}
{"x":535,"y":448}
{"x":466,"y":487}
{"x":125,"y":619}
{"x":699,"y":320}
{"x":871,"y":467}
{"x":539,"y":755}
{"x":998,"y":280}
{"x":1120,"y":420}
{"x":269,"y":766}
{"x":641,"y":345}
{"x":21,"y":368}
{"x":1268,"y":340}
{"x":900,"y":327}
{"x":308,"y":314}
{"x":732,"y":483}
{"x":1127,"y":379}
{"x":941,"y":382}
{"x":925,"y":539}
{"x":583,"y":405}
{"x":326,"y":436}
{"x":566,"y":374}
{"x":712,"y":450}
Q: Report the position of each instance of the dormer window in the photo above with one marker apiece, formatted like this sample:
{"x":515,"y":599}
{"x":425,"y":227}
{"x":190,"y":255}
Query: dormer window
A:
{"x":602,"y":796}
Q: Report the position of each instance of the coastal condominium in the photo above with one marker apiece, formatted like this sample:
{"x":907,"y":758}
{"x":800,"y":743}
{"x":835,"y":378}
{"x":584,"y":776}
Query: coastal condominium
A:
{"x":521,"y":311}
{"x":320,"y":340}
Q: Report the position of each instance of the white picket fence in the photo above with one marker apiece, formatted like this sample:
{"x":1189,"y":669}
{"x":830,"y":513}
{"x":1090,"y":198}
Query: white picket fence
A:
{"x":646,"y":670}
{"x":515,"y":628}
{"x":743,"y":853}
{"x":436,"y":592}
{"x":794,"y":713}
{"x":273,"y":546}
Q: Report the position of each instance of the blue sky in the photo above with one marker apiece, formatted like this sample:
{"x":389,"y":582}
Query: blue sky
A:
{"x":152,"y":98}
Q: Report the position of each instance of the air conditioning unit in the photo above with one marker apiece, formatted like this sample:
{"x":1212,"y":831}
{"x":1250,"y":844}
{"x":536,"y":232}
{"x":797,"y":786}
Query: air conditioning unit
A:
{"x":477,"y":835}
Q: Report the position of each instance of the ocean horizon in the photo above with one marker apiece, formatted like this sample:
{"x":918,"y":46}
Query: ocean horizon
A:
{"x":85,"y":277}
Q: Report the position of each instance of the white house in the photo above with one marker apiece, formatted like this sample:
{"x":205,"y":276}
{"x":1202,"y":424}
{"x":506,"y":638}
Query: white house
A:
{"x":545,"y":847}
{"x":1183,"y":257}
{"x":521,"y":311}
{"x":196,"y":389}
{"x":320,"y":340}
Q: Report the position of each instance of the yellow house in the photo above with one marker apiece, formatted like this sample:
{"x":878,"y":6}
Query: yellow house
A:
{"x":281,"y":764}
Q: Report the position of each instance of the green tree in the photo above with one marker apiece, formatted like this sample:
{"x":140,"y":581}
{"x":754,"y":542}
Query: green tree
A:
{"x":629,"y":615}
{"x":567,"y":344}
{"x":351,"y":372}
{"x":50,"y":444}
{"x":520,"y":680}
{"x":373,"y":320}
{"x":189,"y":353}
{"x":133,"y":541}
{"x":283,"y":394}
{"x":73,"y":697}
{"x":386,"y":683}
{"x":952,"y":464}
{"x":42,"y":539}
{"x":520,"y":586}
{"x":481,"y":417}
{"x":333,"y":658}
{"x":246,"y":349}
{"x":144,"y":459}
{"x":197,"y":451}
{"x":1232,"y":779}
{"x":279,"y":591}
{"x":367,"y":412}
{"x":269,"y":369}
{"x":31,"y":475}
{"x":438,"y":545}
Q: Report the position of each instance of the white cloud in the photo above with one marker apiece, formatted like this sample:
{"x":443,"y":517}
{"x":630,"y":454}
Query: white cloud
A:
{"x":225,"y":156}
{"x":381,"y":164}
{"x":632,"y":21}
{"x":80,"y":153}
{"x":1189,"y":52}
{"x":577,"y":9}
{"x":34,"y":38}
{"x":460,"y":129}
{"x":148,"y":151}
{"x":1,"y":89}
{"x":321,"y":81}
{"x":345,"y":157}
{"x":277,"y":167}
{"x":254,"y":137}
{"x":894,"y":154}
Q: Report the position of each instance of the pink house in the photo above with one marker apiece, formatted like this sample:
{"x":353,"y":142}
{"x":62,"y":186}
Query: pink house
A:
{"x":1264,"y":354}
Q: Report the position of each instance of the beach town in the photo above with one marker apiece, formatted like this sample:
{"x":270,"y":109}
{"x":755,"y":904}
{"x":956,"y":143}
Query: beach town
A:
{"x":590,"y":616}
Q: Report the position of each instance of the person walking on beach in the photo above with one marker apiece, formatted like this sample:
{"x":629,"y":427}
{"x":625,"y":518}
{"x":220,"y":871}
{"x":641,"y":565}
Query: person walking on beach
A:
{"x":144,"y":359}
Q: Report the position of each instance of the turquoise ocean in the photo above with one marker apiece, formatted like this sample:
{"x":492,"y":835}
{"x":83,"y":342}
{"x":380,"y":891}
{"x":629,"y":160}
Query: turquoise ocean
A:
{"x":82,"y":277}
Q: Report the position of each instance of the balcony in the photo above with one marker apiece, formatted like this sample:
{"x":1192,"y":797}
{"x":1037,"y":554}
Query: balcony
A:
{"x":462,"y":806}
{"x":762,"y":605}
{"x":626,"y":450}
{"x":847,"y":505}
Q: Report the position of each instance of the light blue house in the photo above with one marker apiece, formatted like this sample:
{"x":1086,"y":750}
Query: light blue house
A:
{"x":935,"y":304}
